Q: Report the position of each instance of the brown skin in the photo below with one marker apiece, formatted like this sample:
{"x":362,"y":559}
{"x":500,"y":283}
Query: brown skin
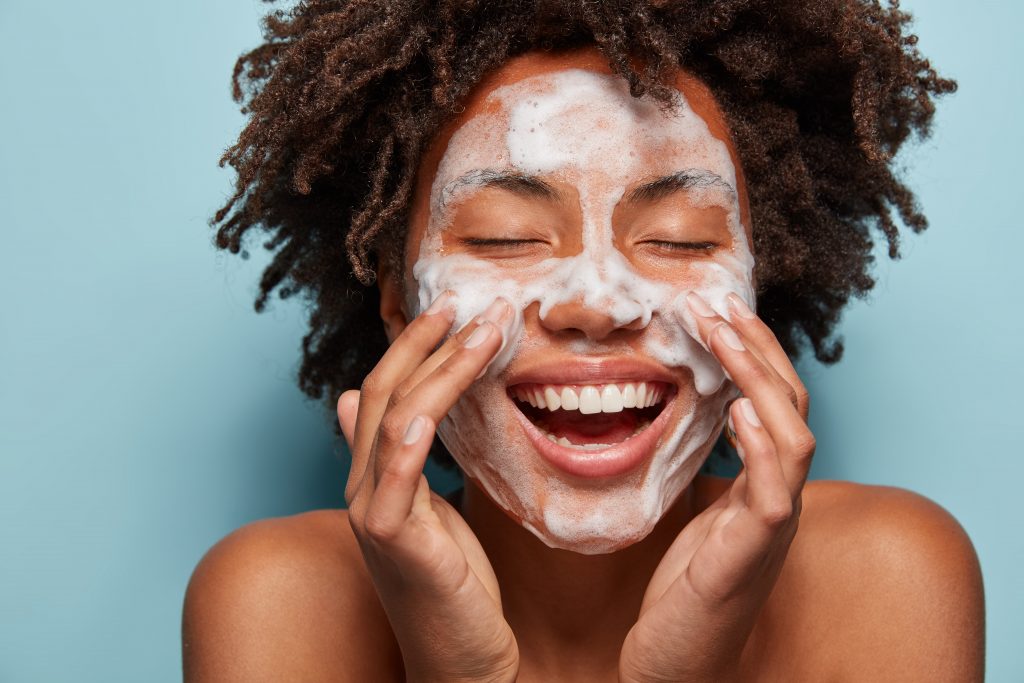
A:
{"x":879,"y":584}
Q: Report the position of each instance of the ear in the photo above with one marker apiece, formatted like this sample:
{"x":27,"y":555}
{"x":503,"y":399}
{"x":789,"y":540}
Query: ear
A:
{"x":392,"y":311}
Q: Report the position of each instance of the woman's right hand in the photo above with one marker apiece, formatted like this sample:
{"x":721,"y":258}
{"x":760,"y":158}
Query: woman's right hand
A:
{"x":433,"y":577}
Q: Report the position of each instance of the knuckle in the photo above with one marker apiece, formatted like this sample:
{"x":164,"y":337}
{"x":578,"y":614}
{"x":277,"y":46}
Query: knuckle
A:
{"x":777,"y":513}
{"x":802,"y":443}
{"x":372,"y":384}
{"x":378,"y":528}
{"x":792,"y":395}
{"x":355,"y":516}
{"x":381,"y":526}
{"x":391,"y":430}
{"x":803,"y":399}
{"x":350,"y":496}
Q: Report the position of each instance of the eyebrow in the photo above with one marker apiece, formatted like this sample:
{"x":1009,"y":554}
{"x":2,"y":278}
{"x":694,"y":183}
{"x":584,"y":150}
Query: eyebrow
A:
{"x":678,"y":182}
{"x":517,"y":183}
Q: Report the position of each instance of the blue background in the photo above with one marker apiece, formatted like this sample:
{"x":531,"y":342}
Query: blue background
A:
{"x":146,"y":410}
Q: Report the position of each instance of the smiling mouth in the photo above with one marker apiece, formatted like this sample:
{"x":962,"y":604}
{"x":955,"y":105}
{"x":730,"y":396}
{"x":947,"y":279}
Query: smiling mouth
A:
{"x":591,"y":417}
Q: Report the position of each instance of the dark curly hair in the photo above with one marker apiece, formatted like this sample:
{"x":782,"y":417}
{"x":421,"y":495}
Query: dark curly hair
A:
{"x":345,"y":95}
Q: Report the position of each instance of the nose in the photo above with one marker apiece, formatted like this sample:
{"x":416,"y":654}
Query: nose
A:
{"x":597,"y":323}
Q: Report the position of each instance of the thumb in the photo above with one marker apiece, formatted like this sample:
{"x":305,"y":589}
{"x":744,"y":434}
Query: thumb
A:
{"x":348,"y":407}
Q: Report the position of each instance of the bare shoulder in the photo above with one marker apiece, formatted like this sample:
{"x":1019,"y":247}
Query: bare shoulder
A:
{"x":890,"y":582}
{"x":287,"y":598}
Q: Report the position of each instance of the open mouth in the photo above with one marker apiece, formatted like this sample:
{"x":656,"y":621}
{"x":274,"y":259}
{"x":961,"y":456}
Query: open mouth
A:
{"x":591,"y":417}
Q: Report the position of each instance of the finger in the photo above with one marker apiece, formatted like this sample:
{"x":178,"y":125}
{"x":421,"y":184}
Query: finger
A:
{"x":416,"y":342}
{"x":434,"y":396}
{"x":452,"y":344}
{"x":786,"y":428}
{"x":765,"y":342}
{"x":499,"y":312}
{"x":348,"y":406}
{"x":767,"y":494}
{"x":707,"y":320}
{"x":399,"y":479}
{"x":744,"y":535}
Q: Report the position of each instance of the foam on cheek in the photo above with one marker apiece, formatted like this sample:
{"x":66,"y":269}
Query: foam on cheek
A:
{"x":582,"y":126}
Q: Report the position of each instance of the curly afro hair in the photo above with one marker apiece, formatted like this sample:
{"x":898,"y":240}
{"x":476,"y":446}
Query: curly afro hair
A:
{"x":345,"y":95}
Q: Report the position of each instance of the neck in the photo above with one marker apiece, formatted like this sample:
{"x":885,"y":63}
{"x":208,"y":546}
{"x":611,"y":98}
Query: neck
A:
{"x":560,"y":602}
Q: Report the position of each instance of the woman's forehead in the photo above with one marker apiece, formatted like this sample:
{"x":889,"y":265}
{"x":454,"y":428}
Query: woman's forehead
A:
{"x":537,"y":63}
{"x":584,"y":127}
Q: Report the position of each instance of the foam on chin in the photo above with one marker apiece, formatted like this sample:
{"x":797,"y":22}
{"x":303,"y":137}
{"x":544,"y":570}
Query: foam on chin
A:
{"x":543,"y":127}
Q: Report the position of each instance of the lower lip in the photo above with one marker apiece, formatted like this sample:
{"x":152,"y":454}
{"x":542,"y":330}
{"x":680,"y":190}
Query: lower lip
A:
{"x":608,"y":462}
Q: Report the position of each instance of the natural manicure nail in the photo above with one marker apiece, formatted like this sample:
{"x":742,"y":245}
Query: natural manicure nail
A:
{"x":496,"y":311}
{"x":699,"y":306}
{"x":749,"y":414}
{"x":439,"y":304}
{"x":479,"y":336}
{"x":740,"y":306}
{"x":730,"y":338}
{"x":414,"y":431}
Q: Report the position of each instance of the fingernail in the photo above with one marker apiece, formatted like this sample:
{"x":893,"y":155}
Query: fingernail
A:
{"x":439,"y":303}
{"x":479,"y":336}
{"x":740,"y":306}
{"x":732,"y":426}
{"x":699,"y":306}
{"x":749,"y":414}
{"x":729,"y":337}
{"x":686,"y":318}
{"x":414,"y":431}
{"x":740,"y":452}
{"x":497,"y":310}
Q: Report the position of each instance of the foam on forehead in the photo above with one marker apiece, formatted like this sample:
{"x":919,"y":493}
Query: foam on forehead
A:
{"x":576,"y":119}
{"x":544,"y":129}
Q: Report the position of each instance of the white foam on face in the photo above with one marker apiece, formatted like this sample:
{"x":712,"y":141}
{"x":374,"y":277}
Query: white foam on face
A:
{"x":584,"y":129}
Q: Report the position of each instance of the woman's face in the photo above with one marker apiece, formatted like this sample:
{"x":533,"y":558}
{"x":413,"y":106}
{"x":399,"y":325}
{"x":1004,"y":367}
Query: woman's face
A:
{"x":594,"y":214}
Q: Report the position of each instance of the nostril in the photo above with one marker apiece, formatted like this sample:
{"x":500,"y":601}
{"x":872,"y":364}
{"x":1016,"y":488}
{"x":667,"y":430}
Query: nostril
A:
{"x":589,"y":321}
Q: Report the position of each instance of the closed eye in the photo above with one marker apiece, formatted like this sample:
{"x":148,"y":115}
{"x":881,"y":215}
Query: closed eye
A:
{"x":497,"y":242}
{"x":684,"y":246}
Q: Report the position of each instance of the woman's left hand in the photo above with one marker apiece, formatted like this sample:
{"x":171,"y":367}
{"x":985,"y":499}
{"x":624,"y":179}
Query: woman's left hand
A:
{"x":705,"y":596}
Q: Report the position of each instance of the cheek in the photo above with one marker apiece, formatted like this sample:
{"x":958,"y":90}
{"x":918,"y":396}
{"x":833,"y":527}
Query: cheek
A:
{"x":672,"y":275}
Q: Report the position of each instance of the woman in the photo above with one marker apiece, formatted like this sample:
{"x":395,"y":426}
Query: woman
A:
{"x":566,"y":211}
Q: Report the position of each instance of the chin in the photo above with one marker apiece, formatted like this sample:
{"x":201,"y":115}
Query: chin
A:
{"x":587,"y":463}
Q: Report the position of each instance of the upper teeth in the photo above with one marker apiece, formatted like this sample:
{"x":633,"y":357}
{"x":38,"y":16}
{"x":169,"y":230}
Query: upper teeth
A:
{"x":590,"y":398}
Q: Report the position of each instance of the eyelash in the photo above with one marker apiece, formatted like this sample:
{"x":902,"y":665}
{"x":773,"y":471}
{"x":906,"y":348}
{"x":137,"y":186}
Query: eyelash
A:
{"x":496,"y":242}
{"x":673,"y":246}
{"x":684,"y":246}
